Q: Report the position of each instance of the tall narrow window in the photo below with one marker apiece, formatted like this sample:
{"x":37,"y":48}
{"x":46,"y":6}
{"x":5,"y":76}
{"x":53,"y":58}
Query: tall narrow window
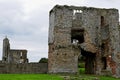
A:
{"x":102,"y":21}
{"x":104,"y":63}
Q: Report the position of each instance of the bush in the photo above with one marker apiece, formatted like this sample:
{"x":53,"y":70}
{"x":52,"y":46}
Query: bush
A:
{"x":81,"y":65}
{"x":82,"y":70}
{"x":43,"y":60}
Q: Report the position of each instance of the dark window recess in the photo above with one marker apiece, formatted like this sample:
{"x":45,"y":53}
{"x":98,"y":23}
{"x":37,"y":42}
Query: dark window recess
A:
{"x":102,"y":21}
{"x":77,"y":36}
{"x":104,"y":62}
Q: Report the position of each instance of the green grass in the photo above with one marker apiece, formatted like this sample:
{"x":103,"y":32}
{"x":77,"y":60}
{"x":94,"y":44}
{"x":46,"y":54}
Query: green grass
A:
{"x":30,"y":77}
{"x":83,"y":76}
{"x":81,"y":70}
{"x":52,"y":77}
{"x":92,"y":77}
{"x":107,"y":78}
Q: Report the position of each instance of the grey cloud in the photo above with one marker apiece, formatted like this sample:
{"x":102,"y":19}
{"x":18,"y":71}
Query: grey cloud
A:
{"x":30,"y":33}
{"x":29,"y":30}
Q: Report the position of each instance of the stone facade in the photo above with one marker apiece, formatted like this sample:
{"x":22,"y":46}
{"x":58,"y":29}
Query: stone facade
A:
{"x":13,"y":55}
{"x":92,"y":32}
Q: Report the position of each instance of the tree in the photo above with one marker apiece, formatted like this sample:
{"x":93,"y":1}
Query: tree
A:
{"x":43,"y":60}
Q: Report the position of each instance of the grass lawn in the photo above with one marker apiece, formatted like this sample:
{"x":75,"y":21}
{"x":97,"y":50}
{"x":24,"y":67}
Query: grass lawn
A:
{"x":108,"y":78}
{"x":92,"y":77}
{"x":52,"y":77}
{"x":83,"y":76}
{"x":29,"y":77}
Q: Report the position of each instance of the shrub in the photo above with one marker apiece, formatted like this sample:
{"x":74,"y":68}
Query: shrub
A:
{"x":43,"y":60}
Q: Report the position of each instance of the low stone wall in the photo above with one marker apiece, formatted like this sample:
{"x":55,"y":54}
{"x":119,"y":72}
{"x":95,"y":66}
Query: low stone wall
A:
{"x":24,"y":68}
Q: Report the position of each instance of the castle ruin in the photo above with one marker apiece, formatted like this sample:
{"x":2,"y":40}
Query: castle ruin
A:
{"x":73,"y":31}
{"x":16,"y":61}
{"x":13,"y":55}
{"x":91,"y":32}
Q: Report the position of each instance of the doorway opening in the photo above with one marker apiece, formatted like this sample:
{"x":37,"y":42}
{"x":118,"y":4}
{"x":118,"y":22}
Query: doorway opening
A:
{"x":89,"y":61}
{"x":86,"y":60}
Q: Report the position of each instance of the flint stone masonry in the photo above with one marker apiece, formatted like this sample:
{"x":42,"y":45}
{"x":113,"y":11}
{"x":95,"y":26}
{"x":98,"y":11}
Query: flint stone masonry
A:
{"x":92,"y":32}
{"x":23,"y":68}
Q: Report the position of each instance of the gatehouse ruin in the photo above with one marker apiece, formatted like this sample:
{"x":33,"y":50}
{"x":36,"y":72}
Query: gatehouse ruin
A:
{"x":91,"y":32}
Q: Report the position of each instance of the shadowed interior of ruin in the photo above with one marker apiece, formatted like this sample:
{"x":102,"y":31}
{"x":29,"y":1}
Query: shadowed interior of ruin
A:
{"x":104,"y":61}
{"x":77,"y":37}
{"x":89,"y":61}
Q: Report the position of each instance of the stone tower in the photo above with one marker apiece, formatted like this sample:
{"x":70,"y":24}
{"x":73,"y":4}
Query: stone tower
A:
{"x":6,"y":50}
{"x":91,"y":32}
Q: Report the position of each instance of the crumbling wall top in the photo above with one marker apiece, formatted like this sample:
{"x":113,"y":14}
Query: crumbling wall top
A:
{"x":19,"y":50}
{"x":80,"y":8}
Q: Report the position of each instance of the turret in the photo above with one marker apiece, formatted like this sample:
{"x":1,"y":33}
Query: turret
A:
{"x":6,"y":49}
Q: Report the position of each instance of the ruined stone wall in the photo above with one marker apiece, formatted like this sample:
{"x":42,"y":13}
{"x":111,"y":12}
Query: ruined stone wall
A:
{"x":98,"y":30}
{"x":103,"y":34}
{"x":23,"y":68}
{"x":18,"y":56}
{"x":61,"y":54}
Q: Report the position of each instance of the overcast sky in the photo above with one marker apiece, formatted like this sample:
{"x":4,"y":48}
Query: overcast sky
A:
{"x":25,"y":22}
